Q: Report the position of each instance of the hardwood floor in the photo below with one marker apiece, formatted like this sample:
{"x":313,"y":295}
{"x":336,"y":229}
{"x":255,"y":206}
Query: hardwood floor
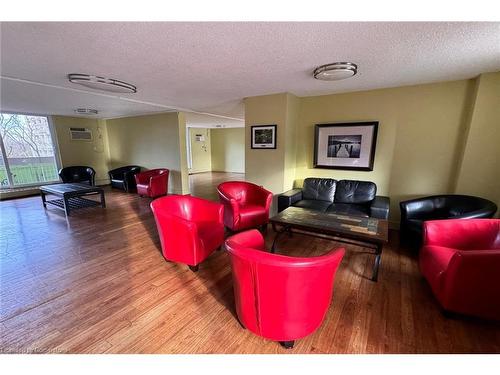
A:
{"x":205,"y":184}
{"x":98,"y":283}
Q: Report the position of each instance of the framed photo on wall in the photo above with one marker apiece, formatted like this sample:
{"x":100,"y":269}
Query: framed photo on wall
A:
{"x":345,"y":145}
{"x":263,"y":136}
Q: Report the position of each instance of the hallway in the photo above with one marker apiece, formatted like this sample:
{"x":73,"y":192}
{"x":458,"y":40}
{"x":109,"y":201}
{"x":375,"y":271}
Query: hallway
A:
{"x":205,"y":184}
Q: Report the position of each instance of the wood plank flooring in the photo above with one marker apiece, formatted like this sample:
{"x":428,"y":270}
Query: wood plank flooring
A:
{"x":98,"y":283}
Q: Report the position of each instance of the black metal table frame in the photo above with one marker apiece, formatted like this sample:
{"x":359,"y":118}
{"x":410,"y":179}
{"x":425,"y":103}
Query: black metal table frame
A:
{"x":72,"y":200}
{"x":312,"y":232}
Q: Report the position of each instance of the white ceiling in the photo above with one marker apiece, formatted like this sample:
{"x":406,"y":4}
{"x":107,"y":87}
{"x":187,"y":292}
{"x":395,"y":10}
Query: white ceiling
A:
{"x":210,"y":67}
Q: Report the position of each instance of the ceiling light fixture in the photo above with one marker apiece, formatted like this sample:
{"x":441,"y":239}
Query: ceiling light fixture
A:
{"x":335,"y":71}
{"x":86,"y":111}
{"x":102,"y":83}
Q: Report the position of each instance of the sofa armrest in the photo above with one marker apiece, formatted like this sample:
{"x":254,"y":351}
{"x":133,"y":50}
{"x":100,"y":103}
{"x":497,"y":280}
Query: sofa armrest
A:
{"x":288,"y":198}
{"x":379,"y":208}
{"x":129,"y":179}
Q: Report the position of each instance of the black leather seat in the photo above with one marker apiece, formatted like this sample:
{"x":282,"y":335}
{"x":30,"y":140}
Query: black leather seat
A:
{"x":414,"y":212}
{"x":345,"y":197}
{"x":124,"y":177}
{"x":79,"y":174}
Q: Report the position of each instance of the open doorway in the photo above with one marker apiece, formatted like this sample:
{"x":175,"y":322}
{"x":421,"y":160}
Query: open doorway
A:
{"x":215,"y":152}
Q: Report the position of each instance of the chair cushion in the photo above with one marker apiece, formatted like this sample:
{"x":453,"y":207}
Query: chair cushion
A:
{"x":358,"y":192}
{"x":349,"y":209}
{"x":313,"y":204}
{"x":322,"y":189}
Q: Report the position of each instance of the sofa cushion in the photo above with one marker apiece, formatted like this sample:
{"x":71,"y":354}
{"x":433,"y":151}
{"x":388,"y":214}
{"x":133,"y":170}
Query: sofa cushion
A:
{"x":313,"y":204}
{"x":321,"y":189}
{"x":349,"y":209}
{"x":358,"y":192}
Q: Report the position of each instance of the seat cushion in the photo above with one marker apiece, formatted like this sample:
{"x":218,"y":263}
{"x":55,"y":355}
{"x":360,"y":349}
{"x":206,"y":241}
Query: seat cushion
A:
{"x":357,"y":192}
{"x":349,"y":209}
{"x":252,"y":216}
{"x":322,"y":189}
{"x":118,"y":184}
{"x":313,"y":204}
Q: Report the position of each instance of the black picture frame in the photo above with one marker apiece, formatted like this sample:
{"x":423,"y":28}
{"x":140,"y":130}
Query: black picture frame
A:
{"x":266,"y":140}
{"x":358,"y":158}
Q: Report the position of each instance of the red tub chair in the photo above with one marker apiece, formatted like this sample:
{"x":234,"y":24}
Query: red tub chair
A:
{"x":246,"y":205}
{"x":190,"y":228}
{"x":152,"y":183}
{"x":278,"y":297}
{"x":461,"y":261}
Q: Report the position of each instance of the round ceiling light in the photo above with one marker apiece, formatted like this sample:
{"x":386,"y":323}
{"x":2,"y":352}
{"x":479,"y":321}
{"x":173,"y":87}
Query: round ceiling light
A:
{"x":86,"y":111}
{"x":335,"y":71}
{"x":101,"y":83}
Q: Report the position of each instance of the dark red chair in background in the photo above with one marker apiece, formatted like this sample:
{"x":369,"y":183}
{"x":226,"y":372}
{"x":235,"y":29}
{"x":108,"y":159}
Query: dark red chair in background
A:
{"x":190,"y":228}
{"x":461,"y":261}
{"x":278,"y":297}
{"x":152,"y":183}
{"x":246,"y":205}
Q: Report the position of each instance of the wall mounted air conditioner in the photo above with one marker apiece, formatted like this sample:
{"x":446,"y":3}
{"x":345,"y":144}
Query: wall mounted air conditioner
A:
{"x":80,"y":134}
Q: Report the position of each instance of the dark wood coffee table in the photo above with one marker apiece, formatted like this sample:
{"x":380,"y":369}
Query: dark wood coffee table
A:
{"x":71,"y":196}
{"x":368,"y":232}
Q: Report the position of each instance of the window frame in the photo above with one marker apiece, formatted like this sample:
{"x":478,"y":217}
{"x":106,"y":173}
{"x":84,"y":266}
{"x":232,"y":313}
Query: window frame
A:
{"x":55,"y":147}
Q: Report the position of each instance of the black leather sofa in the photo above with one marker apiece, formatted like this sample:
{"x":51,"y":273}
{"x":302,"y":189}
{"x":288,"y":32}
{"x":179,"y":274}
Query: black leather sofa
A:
{"x":345,"y":197}
{"x":124,"y":177}
{"x":78,"y":173}
{"x":414,"y":212}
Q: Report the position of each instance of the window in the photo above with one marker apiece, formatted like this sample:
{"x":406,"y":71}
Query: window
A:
{"x":28,"y":155}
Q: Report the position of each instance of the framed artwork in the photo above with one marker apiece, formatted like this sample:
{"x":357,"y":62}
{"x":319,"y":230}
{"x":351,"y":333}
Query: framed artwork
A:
{"x":263,"y":136}
{"x":345,"y":146}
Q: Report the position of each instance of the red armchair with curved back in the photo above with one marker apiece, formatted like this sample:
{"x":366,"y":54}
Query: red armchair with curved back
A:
{"x":461,"y":261}
{"x":152,"y":183}
{"x":246,"y":205}
{"x":278,"y":297}
{"x":190,"y":228}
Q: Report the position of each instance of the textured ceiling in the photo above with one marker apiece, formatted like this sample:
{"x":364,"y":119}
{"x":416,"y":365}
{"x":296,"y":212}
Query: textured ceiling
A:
{"x":210,"y":67}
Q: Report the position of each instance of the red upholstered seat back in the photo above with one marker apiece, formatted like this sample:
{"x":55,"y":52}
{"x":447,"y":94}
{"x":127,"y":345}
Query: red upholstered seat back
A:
{"x":143,"y":177}
{"x":460,"y":259}
{"x":190,"y":228}
{"x":278,"y":297}
{"x":466,"y":234}
{"x":240,"y":191}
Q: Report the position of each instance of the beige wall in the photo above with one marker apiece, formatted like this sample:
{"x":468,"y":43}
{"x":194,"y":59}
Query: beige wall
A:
{"x":154,"y":141}
{"x":292,"y":140}
{"x":228,"y":150}
{"x":479,"y":172}
{"x":418,"y":135}
{"x":183,"y":152}
{"x":266,"y":167}
{"x":420,"y":138}
{"x":201,"y":160}
{"x":94,"y":154}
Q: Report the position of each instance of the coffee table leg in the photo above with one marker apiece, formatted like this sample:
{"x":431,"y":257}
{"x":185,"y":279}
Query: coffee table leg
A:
{"x":278,"y":233}
{"x":273,"y":247}
{"x":376,"y":265}
{"x":66,"y":205}
{"x":42,"y":193}
{"x":103,"y":201}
